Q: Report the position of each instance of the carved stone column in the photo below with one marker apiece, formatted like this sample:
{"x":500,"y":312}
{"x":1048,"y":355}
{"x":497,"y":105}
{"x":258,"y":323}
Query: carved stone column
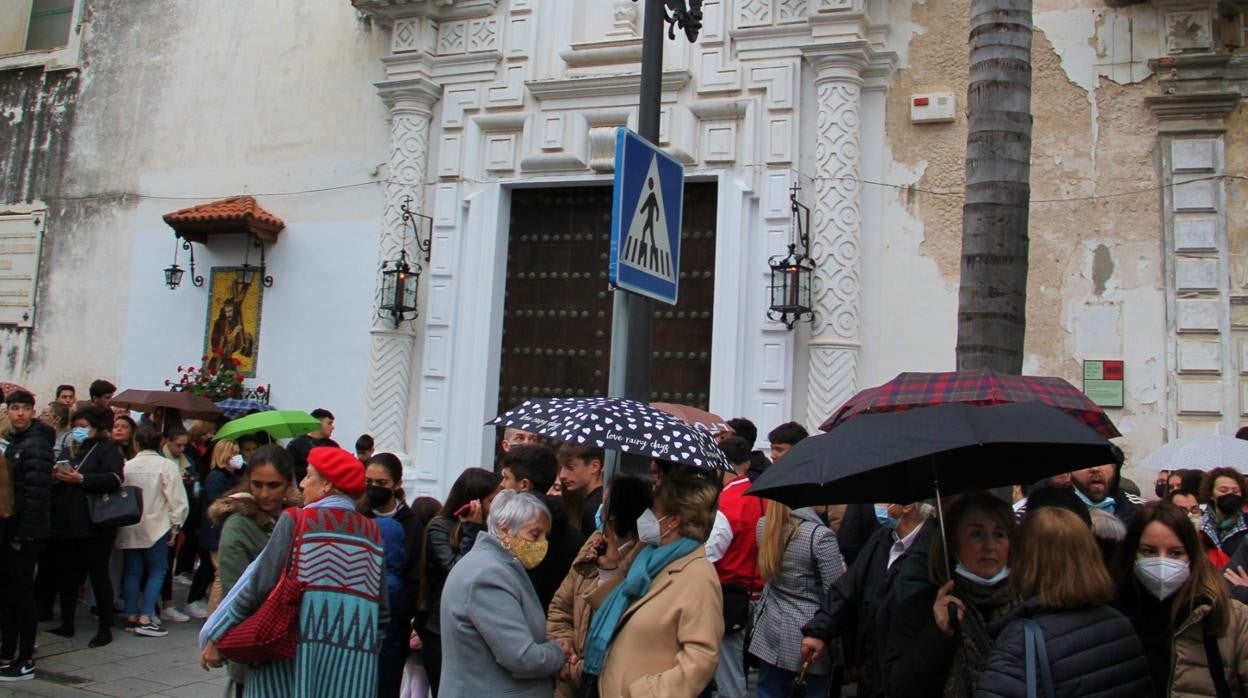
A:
{"x":390,"y":361}
{"x":836,"y":230}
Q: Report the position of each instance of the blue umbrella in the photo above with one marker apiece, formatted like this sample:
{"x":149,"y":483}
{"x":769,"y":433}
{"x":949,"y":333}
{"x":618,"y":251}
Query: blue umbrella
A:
{"x":234,"y":408}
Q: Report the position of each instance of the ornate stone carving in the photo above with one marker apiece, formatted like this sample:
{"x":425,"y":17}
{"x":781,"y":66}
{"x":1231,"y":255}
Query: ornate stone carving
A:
{"x":837,"y":220}
{"x":389,"y":376}
{"x":387,"y":12}
{"x":389,"y":386}
{"x":833,"y":379}
{"x":836,"y":229}
{"x":790,"y":10}
{"x":754,"y":13}
{"x":625,"y":19}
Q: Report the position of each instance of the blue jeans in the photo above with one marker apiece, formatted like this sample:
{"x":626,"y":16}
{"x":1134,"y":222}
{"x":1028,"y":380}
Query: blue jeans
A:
{"x":145,"y":567}
{"x":774,"y":682}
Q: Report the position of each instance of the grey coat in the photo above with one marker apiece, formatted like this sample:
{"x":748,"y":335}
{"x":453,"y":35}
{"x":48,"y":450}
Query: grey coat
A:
{"x":494,"y":629}
{"x":811,"y":563}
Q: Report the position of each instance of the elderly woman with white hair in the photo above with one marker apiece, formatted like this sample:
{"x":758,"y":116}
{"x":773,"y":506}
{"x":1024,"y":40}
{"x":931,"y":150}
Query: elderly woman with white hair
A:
{"x":493,"y":626}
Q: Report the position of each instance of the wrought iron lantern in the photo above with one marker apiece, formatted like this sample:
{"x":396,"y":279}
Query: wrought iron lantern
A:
{"x":791,"y":274}
{"x":174,"y":273}
{"x":400,"y":278}
{"x":246,"y":275}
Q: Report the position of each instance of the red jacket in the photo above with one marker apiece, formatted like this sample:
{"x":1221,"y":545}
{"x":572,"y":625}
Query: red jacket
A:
{"x":740,"y":561}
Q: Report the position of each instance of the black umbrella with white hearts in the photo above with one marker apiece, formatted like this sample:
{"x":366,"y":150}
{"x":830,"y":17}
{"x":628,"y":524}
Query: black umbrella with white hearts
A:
{"x":627,"y":426}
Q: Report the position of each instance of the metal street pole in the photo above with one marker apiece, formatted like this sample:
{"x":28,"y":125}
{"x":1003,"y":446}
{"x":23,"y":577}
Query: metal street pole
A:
{"x":631,"y":315}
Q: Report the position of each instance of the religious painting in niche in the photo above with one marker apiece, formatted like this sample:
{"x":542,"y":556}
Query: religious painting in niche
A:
{"x":233,"y":325}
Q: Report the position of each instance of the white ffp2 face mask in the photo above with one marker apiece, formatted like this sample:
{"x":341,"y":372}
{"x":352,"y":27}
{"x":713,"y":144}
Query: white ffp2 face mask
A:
{"x":970,"y":576}
{"x":648,"y":529}
{"x":1161,"y":576}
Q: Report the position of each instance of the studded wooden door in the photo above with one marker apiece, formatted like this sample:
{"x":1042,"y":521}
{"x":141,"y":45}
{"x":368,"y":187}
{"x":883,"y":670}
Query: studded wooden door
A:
{"x":557,"y":311}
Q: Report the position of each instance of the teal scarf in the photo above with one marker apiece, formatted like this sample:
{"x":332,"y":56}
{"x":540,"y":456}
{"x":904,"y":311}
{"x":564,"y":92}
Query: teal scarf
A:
{"x":649,"y":562}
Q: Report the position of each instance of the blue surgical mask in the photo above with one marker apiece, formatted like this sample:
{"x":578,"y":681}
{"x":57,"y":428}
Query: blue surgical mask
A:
{"x":982,"y":581}
{"x":881,"y":515}
{"x":237,"y":462}
{"x":79,"y":434}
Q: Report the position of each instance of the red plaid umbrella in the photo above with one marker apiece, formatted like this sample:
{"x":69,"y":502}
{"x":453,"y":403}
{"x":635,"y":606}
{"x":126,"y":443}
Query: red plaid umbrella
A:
{"x":981,"y":386}
{"x":6,"y":388}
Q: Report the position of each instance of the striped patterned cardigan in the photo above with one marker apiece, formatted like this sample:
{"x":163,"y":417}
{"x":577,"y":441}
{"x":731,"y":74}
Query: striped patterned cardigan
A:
{"x":344,"y":610}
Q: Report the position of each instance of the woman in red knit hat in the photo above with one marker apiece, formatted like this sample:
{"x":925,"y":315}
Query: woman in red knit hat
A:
{"x":340,"y":557}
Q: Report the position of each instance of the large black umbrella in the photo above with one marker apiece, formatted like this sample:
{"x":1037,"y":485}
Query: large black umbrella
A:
{"x":907,"y":456}
{"x":618,"y":424}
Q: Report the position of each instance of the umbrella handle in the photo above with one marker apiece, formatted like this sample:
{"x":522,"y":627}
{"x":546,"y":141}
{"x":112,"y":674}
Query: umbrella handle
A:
{"x":952,"y":610}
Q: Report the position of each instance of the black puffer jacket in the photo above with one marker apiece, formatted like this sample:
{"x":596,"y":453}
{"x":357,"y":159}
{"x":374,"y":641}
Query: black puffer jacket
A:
{"x":1093,"y":653}
{"x":102,"y":468}
{"x":30,"y":469}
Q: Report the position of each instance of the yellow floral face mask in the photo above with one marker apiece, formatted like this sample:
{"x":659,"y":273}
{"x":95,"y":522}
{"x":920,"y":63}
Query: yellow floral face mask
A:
{"x":530,"y":553}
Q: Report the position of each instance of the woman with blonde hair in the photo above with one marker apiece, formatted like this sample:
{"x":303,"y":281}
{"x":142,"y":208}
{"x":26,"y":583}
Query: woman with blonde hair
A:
{"x":799,"y":559}
{"x":1181,"y":607}
{"x":657,"y":630}
{"x":227,"y":464}
{"x":1065,"y":629}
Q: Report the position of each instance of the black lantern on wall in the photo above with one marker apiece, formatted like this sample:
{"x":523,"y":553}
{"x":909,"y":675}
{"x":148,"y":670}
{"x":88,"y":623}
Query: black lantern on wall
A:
{"x":174,"y":273}
{"x":245,"y":275}
{"x":400,"y":278}
{"x":791,"y":274}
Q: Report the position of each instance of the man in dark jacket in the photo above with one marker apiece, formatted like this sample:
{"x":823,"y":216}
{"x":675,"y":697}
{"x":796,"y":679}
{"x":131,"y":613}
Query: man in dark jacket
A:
{"x":1098,"y":488}
{"x":857,"y":604}
{"x":533,"y":469}
{"x":30,"y":458}
{"x":383,"y":473}
{"x":300,"y":446}
{"x":758,"y":460}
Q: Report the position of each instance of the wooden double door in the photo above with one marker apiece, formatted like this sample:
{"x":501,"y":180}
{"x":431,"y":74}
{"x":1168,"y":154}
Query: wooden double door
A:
{"x":557,"y":308}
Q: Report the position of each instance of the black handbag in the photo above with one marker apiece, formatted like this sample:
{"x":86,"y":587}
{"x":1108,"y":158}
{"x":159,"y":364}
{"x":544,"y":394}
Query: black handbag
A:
{"x":112,"y":509}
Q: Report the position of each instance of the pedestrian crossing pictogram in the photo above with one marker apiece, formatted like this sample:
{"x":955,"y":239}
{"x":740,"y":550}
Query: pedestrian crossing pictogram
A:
{"x":647,"y":248}
{"x":645,"y":219}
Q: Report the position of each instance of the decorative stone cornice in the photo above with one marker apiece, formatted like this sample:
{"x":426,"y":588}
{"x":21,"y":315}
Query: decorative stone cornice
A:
{"x":386,"y":12}
{"x":856,"y":61}
{"x":1198,"y":91}
{"x":605,"y":85}
{"x":411,"y":94}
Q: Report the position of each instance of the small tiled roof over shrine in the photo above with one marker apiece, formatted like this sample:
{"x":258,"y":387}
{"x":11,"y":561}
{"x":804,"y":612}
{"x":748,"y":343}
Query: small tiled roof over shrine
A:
{"x":235,"y":215}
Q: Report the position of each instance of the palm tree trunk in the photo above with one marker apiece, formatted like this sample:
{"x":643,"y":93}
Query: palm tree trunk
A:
{"x":992,"y":298}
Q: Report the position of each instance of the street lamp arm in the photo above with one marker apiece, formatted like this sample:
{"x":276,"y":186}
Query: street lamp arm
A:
{"x":687,"y":17}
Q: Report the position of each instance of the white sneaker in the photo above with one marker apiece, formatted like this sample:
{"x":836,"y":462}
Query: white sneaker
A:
{"x":197,"y":609}
{"x":182,"y":580}
{"x":174,"y":615}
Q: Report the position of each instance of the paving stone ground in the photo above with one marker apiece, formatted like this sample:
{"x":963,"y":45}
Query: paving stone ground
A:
{"x":130,"y":667}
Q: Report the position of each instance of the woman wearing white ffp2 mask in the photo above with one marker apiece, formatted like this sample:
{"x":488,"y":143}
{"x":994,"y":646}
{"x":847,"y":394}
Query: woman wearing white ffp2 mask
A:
{"x":1174,"y":597}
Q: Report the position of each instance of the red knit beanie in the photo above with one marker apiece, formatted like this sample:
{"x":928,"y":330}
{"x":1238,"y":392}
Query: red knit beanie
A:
{"x":341,"y":469}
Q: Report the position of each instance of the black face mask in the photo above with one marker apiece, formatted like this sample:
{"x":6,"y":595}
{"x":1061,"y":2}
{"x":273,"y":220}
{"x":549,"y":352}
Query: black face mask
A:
{"x":1229,"y":504}
{"x":1160,"y":489}
{"x":379,"y":496}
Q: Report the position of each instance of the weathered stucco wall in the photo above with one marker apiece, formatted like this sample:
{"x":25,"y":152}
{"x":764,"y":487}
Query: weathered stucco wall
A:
{"x":180,"y":103}
{"x":1095,"y":287}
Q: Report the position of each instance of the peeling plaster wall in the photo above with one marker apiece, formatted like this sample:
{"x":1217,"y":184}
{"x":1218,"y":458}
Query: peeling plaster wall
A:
{"x":1095,"y":286}
{"x":200,"y":101}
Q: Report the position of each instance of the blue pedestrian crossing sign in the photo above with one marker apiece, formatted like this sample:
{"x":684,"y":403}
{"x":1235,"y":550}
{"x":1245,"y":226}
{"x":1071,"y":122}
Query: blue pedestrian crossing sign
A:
{"x":645,"y":219}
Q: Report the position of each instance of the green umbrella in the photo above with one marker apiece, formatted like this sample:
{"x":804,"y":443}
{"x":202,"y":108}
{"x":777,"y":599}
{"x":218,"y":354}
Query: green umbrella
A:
{"x":280,"y":424}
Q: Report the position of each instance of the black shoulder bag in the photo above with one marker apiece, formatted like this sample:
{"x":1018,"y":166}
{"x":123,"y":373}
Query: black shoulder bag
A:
{"x":1216,"y":669}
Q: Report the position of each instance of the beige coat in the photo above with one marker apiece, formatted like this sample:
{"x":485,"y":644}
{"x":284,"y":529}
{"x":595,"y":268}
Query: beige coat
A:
{"x":1190,"y":671}
{"x":668,"y":642}
{"x":569,"y":614}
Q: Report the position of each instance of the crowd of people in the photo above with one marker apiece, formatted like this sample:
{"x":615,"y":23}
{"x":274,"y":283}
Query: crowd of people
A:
{"x":538,"y":576}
